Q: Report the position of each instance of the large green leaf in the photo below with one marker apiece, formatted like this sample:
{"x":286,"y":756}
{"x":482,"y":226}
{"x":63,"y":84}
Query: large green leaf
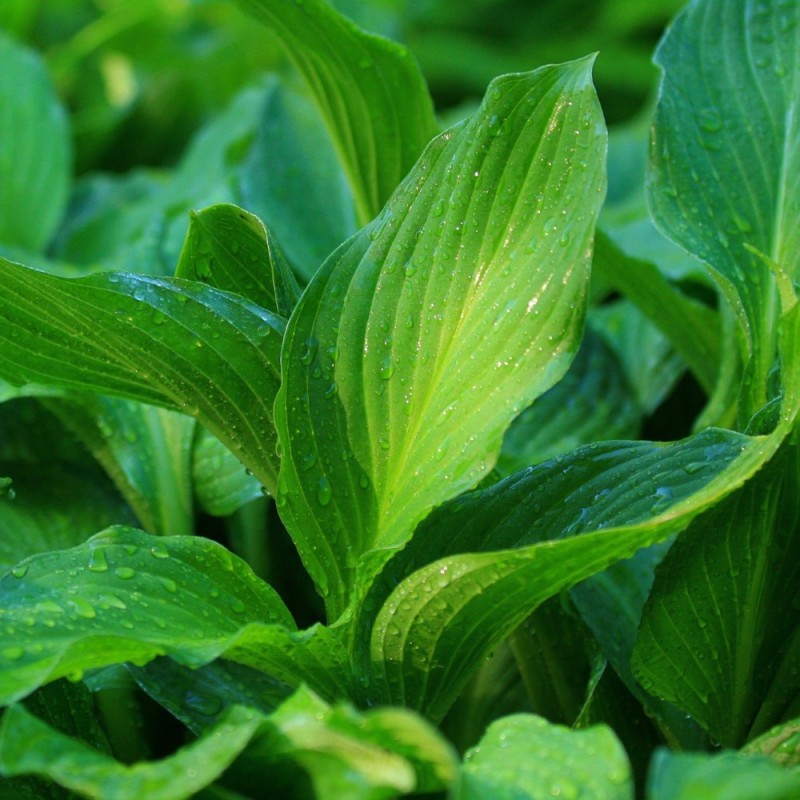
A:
{"x":523,"y":757}
{"x":420,"y":634}
{"x":370,"y":92}
{"x":720,"y":634}
{"x":116,"y":598}
{"x":35,"y":150}
{"x":692,"y":328}
{"x":28,"y":745}
{"x":144,"y":449}
{"x":54,"y":506}
{"x":592,"y":402}
{"x":293,"y":180}
{"x":169,"y":342}
{"x":726,"y":152}
{"x":726,"y":776}
{"x":420,"y":339}
{"x":221,"y":483}
{"x":228,"y":248}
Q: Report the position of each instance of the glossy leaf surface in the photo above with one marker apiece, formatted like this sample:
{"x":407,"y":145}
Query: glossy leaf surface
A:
{"x":726,"y":154}
{"x":96,"y":775}
{"x":370,"y":91}
{"x":145,"y":450}
{"x":126,"y":598}
{"x":474,"y":276}
{"x":523,"y":757}
{"x":719,"y":636}
{"x":168,"y":342}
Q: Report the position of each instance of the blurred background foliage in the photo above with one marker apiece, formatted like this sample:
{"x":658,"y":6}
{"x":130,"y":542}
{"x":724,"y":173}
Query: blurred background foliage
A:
{"x":140,"y":76}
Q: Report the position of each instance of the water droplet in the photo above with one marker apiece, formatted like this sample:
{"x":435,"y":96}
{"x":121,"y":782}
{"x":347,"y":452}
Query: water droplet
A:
{"x":207,"y":705}
{"x":159,"y":551}
{"x":324,"y":492}
{"x":410,"y":268}
{"x":126,"y":573}
{"x":710,"y":120}
{"x":97,"y":561}
{"x":383,"y":443}
{"x":363,"y":480}
{"x":13,"y":653}
{"x":307,"y":356}
{"x":387,"y":368}
{"x":169,"y":585}
{"x":83,"y":608}
{"x":20,"y":571}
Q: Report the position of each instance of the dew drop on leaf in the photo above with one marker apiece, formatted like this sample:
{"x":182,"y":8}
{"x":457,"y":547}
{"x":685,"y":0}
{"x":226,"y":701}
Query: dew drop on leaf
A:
{"x":97,"y":561}
{"x":324,"y":492}
{"x":125,"y":573}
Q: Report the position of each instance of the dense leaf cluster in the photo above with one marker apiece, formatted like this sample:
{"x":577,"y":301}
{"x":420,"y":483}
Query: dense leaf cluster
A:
{"x":411,"y":383}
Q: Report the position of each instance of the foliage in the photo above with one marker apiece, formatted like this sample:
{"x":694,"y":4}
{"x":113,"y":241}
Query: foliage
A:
{"x":341,"y":455}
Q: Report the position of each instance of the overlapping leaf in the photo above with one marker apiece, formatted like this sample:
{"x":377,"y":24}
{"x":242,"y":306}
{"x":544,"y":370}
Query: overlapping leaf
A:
{"x":125,"y":596}
{"x":35,"y":151}
{"x":370,"y":91}
{"x":168,"y":342}
{"x":523,"y":757}
{"x":77,"y":766}
{"x":228,"y":248}
{"x":720,"y":635}
{"x":146,"y":451}
{"x":421,"y":338}
{"x":726,"y":155}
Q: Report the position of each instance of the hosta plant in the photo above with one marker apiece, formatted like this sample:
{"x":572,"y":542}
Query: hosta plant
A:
{"x":390,"y":331}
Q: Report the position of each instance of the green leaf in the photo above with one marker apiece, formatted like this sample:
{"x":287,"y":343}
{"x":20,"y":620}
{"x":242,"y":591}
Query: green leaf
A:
{"x":692,"y":328}
{"x":96,"y":775}
{"x":781,"y":744}
{"x":145,"y":450}
{"x":474,"y":276}
{"x":221,"y":483}
{"x":470,"y":591}
{"x":227,"y":248}
{"x":592,"y":402}
{"x":116,"y":598}
{"x":35,"y":151}
{"x":720,"y":631}
{"x":370,"y":92}
{"x":206,"y":353}
{"x":201,"y":697}
{"x":293,"y":180}
{"x":373,"y":754}
{"x":727,"y":776}
{"x":53,"y":506}
{"x":725,"y":151}
{"x":523,"y":757}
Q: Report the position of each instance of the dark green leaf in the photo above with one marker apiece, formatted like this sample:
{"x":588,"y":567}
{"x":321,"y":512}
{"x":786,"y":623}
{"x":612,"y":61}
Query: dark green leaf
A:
{"x":727,"y":776}
{"x":293,"y":180}
{"x":28,"y":745}
{"x":441,"y":620}
{"x":592,"y":402}
{"x":692,"y":328}
{"x":145,"y":450}
{"x":718,"y":635}
{"x":221,"y":483}
{"x":474,"y":276}
{"x":370,"y":92}
{"x":226,"y":247}
{"x":725,"y":152}
{"x":126,"y":596}
{"x":52,"y":506}
{"x":169,"y":342}
{"x":35,"y":152}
